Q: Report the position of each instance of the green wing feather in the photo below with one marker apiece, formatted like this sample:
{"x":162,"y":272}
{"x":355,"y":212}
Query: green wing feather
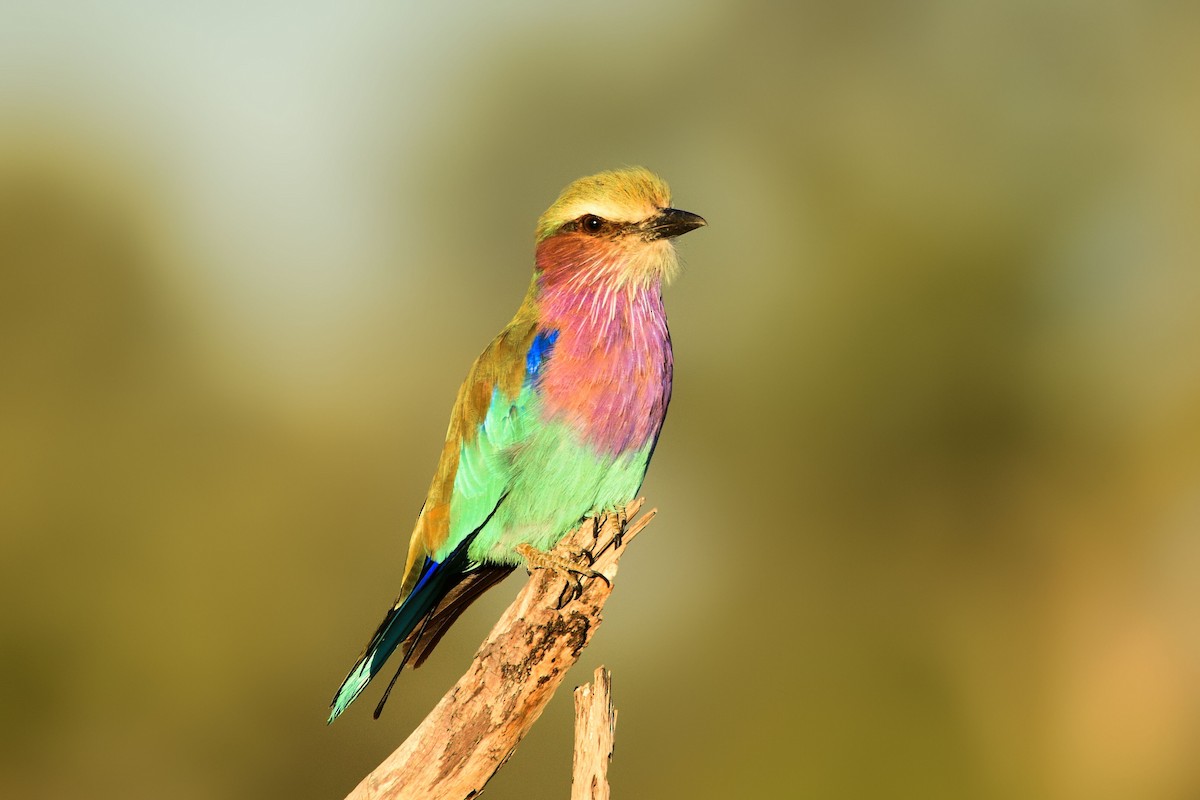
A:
{"x":485,"y":464}
{"x":491,"y":415}
{"x":471,"y":481}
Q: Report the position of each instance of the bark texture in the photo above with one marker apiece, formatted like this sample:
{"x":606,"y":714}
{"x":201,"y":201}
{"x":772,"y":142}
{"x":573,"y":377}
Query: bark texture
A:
{"x":595,"y":730}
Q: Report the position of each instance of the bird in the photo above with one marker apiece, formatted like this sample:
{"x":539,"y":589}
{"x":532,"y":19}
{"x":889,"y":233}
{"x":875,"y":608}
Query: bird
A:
{"x":557,"y":419}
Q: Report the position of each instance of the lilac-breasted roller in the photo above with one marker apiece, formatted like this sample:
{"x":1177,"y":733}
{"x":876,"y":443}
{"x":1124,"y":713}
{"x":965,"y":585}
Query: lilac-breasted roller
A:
{"x":557,"y":418}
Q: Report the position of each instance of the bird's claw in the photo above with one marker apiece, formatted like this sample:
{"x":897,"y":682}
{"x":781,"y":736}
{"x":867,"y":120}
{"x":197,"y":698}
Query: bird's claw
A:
{"x":618,"y":519}
{"x":572,"y":589}
{"x":573,"y":573}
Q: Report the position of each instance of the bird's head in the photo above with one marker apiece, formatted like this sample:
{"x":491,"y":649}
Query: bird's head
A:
{"x":613,"y":227}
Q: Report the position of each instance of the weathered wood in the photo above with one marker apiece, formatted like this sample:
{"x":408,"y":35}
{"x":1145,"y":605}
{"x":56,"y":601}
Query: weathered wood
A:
{"x":477,"y":725}
{"x":595,"y":729}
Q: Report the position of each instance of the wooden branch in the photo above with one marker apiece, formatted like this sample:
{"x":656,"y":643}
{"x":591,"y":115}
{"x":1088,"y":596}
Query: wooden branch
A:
{"x":477,"y":725}
{"x":595,"y":728}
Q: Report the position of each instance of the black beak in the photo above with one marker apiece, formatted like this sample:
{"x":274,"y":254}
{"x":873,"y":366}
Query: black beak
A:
{"x":671,"y":222}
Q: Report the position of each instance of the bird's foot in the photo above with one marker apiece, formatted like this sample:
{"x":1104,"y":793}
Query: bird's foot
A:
{"x":614,"y":521}
{"x":572,"y":572}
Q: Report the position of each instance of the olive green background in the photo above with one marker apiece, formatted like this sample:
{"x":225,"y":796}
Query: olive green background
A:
{"x":930,"y":483}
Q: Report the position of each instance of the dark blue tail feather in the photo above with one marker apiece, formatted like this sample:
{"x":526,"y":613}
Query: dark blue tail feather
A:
{"x":437,"y":579}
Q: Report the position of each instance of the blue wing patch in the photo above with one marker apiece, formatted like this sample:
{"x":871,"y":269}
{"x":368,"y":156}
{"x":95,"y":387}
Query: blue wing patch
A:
{"x":539,"y":351}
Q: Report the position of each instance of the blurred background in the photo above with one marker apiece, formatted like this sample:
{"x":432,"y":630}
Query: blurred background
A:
{"x":930,"y":484}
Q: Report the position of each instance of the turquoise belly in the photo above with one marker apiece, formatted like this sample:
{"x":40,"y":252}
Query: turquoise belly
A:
{"x":556,"y":482}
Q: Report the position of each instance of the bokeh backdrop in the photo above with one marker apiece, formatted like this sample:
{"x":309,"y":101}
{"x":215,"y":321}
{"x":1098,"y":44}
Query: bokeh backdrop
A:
{"x":930,"y":484}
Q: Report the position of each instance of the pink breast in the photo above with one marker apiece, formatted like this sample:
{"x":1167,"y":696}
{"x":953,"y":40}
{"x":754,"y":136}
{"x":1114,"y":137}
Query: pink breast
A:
{"x":609,"y":375}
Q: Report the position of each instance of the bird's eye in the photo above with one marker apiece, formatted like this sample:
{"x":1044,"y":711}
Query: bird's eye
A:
{"x":591,"y":223}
